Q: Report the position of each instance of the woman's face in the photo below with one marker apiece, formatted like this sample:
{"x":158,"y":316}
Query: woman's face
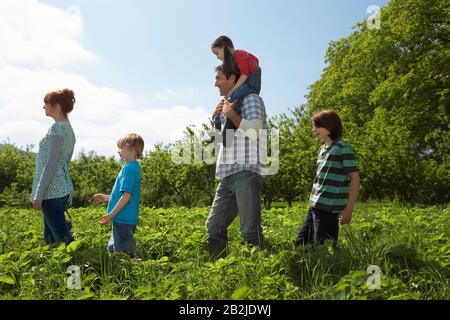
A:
{"x":49,"y":109}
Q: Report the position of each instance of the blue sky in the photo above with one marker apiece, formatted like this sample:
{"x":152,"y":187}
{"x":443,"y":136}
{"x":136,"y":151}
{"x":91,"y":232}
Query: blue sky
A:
{"x":149,"y":46}
{"x":146,"y":66}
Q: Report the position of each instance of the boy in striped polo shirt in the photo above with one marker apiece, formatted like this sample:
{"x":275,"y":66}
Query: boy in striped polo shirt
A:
{"x":336,"y":183}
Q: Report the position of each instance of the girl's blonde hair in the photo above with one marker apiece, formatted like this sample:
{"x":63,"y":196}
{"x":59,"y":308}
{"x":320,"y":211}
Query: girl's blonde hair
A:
{"x":133,"y":141}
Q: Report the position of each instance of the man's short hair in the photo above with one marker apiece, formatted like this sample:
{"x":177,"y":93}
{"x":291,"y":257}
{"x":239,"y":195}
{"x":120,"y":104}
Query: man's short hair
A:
{"x":228,"y":74}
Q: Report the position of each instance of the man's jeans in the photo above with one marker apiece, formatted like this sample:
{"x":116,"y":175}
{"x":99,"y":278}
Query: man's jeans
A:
{"x":238,"y":193}
{"x":55,"y":227}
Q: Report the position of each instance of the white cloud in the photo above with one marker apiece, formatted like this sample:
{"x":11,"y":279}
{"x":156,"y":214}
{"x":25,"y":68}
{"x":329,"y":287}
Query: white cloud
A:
{"x":35,"y":34}
{"x":28,"y":70}
{"x":176,"y":94}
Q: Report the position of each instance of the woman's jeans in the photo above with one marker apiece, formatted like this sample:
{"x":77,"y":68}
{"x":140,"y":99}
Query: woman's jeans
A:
{"x":55,"y":226}
{"x":240,"y":194}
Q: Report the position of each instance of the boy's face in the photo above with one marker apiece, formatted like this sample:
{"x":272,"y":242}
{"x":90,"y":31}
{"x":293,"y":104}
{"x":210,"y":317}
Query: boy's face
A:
{"x":219,"y":53}
{"x":127,"y":154}
{"x":321,"y":133}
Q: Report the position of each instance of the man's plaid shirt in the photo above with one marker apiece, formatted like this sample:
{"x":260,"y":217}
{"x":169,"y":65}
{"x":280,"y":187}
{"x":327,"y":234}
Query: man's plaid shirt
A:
{"x":244,"y":153}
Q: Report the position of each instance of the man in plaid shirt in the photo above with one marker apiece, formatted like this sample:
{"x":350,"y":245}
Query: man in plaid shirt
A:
{"x":239,"y":169}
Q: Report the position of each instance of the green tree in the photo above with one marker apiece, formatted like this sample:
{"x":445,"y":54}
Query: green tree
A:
{"x":166,"y":182}
{"x":393,"y":83}
{"x":16,"y":175}
{"x":92,"y":174}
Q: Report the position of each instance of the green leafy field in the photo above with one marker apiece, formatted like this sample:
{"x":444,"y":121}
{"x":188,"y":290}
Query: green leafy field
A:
{"x":410,"y":245}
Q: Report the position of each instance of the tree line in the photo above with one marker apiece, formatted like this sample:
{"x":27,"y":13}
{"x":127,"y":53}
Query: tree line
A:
{"x":391,"y":87}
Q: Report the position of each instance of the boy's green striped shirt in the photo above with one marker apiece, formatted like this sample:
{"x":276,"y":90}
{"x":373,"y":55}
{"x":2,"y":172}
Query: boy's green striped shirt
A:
{"x":331,"y":184}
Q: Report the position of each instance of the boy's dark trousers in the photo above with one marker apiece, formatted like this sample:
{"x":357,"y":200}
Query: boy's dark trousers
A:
{"x":319,"y":225}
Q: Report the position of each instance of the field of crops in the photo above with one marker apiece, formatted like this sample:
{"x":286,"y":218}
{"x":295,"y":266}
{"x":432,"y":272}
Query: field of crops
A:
{"x":410,"y":246}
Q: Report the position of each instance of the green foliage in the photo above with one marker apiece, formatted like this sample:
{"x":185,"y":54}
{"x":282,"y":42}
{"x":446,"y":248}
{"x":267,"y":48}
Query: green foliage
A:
{"x":298,"y":157}
{"x":92,"y":174}
{"x":390,"y":86}
{"x":16,"y":175}
{"x":409,"y":244}
{"x":165,"y":183}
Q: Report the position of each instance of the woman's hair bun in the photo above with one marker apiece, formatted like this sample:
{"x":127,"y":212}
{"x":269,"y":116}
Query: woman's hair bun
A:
{"x":69,"y":94}
{"x":65,"y":98}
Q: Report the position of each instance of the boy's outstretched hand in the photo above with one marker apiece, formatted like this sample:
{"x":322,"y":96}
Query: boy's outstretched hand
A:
{"x":99,"y":197}
{"x":346,"y":216}
{"x":105,"y":220}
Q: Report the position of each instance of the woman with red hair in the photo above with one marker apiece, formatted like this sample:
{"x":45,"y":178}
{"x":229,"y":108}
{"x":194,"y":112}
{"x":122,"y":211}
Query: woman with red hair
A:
{"x":52,"y":186}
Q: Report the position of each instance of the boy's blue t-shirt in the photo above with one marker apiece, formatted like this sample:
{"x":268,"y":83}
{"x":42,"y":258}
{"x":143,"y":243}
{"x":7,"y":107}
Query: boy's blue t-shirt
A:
{"x":128,"y":180}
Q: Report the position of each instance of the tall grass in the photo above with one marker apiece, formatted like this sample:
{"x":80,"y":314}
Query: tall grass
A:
{"x":409,"y":244}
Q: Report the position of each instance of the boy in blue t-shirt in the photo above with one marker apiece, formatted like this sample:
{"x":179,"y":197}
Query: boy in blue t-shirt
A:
{"x":123,"y":203}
